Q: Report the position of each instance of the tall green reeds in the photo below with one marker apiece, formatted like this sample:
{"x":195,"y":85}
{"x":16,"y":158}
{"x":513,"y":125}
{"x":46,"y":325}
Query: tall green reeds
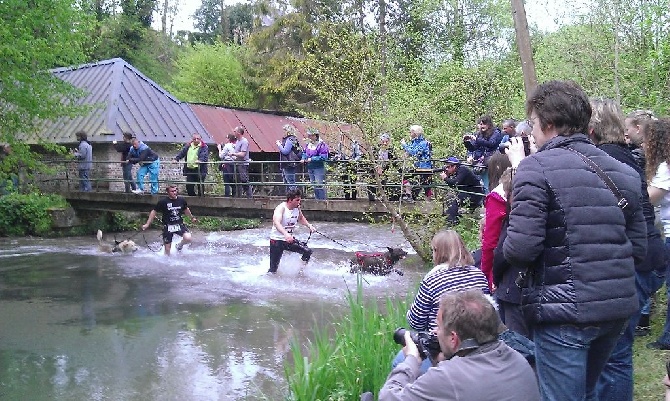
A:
{"x":352,"y":358}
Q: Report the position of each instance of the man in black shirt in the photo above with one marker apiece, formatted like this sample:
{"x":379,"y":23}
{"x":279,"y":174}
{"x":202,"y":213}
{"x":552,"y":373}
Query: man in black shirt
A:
{"x":468,"y":185}
{"x":172,"y":207}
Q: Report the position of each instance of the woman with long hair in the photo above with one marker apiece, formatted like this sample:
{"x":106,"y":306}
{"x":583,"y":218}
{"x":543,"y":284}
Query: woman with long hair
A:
{"x":656,"y":134}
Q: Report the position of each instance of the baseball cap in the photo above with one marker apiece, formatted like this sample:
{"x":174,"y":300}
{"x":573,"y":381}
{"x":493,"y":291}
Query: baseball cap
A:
{"x":452,"y":160}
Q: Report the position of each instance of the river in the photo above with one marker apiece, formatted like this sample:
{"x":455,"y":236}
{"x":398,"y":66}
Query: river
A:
{"x":204,"y":324}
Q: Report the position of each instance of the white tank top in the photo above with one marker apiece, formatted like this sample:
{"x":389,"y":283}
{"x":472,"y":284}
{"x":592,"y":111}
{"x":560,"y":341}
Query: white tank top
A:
{"x":289,"y":221}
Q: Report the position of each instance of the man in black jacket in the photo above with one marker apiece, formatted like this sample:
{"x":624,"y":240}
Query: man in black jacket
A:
{"x":578,"y":236}
{"x":469,"y":188}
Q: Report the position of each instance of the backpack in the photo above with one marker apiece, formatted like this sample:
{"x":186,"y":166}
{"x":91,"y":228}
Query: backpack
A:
{"x":296,"y":152}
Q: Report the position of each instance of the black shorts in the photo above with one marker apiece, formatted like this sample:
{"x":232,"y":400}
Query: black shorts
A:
{"x":169,"y":230}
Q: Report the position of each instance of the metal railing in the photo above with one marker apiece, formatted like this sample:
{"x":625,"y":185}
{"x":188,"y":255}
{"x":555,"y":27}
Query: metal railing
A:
{"x":265,"y":177}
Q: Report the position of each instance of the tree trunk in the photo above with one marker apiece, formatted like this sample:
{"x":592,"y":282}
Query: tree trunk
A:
{"x":164,"y":17}
{"x":524,"y":46}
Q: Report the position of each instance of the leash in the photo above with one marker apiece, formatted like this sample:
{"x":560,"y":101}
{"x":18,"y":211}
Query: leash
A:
{"x":337,"y":242}
{"x":147,"y":244}
{"x":129,"y":238}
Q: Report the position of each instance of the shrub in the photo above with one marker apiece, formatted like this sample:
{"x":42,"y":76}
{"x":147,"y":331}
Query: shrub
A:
{"x":22,"y":214}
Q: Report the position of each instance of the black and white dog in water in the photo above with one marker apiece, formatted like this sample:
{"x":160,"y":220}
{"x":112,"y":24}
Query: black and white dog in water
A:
{"x":126,"y":246}
{"x":379,"y":264}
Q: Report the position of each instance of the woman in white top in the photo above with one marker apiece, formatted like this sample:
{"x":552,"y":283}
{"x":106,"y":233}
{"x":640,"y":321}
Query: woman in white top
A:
{"x":286,"y":217}
{"x":656,"y":134}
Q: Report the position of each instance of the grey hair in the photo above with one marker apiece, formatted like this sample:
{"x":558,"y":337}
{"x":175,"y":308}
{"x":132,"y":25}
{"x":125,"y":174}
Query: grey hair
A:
{"x":523,"y":128}
{"x":289,"y":128}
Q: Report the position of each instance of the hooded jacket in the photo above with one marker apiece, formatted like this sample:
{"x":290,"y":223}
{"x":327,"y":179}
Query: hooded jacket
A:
{"x":578,"y":245}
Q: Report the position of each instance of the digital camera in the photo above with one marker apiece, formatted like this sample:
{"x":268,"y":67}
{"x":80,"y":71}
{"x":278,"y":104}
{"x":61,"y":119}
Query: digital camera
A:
{"x":426,"y":342}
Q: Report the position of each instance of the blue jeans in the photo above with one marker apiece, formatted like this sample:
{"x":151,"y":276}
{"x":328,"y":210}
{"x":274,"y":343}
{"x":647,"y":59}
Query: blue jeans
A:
{"x":84,"y":182}
{"x":654,"y":283}
{"x":288,"y":174}
{"x":425,"y":365}
{"x":616,"y":380}
{"x":317,"y":176}
{"x":151,"y":168}
{"x":665,"y":337}
{"x":570,"y":357}
{"x":128,"y":177}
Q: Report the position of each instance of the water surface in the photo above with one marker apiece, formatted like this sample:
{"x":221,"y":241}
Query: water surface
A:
{"x":204,"y":324}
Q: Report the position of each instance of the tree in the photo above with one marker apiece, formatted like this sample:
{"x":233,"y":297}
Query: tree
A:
{"x":212,"y":74}
{"x":37,"y":36}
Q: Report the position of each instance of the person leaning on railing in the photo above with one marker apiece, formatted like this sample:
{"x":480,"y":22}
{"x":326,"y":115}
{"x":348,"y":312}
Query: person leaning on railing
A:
{"x":123,"y":147}
{"x":227,"y":167}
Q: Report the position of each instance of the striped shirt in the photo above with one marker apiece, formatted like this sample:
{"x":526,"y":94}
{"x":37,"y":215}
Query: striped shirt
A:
{"x":423,"y":312}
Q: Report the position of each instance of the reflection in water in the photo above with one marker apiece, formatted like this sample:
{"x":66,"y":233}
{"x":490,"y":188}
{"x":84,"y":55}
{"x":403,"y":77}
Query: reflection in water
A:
{"x":206,"y":324}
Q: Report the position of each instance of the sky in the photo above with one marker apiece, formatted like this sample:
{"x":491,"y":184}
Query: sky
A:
{"x":543,"y":13}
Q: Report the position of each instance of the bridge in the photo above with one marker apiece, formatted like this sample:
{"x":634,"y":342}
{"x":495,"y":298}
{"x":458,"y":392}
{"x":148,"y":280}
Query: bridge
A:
{"x":108,"y":192}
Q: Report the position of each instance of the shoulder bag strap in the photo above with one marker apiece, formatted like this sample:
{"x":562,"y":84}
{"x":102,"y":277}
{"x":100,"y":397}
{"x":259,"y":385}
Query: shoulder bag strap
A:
{"x":622,"y":202}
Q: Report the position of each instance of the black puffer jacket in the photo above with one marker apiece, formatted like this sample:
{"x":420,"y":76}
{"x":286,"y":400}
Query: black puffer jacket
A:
{"x":578,"y":245}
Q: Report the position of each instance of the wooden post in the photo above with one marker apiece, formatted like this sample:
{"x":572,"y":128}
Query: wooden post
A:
{"x":524,"y":46}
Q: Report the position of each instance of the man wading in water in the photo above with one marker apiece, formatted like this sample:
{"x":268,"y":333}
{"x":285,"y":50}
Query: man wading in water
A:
{"x":284,"y":220}
{"x":172,"y":207}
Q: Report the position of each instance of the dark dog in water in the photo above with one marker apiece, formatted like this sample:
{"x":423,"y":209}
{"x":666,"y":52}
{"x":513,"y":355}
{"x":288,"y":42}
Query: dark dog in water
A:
{"x":379,"y":264}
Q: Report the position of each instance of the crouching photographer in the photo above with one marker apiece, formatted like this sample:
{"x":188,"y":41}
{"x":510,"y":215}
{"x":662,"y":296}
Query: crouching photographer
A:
{"x":474,"y":364}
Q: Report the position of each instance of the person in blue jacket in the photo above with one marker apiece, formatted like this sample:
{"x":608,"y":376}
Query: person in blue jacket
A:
{"x":148,"y":161}
{"x":421,"y":150}
{"x":481,"y":145}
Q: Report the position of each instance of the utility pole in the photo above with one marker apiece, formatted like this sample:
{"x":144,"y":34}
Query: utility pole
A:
{"x":524,"y":47}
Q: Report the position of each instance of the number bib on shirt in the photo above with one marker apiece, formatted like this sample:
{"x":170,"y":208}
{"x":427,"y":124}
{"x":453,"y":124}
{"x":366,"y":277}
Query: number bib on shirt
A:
{"x":173,"y":228}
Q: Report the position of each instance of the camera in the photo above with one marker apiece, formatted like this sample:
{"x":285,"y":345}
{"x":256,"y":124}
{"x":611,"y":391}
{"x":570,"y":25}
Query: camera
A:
{"x":505,"y":143}
{"x":526,"y":144}
{"x":426,"y":342}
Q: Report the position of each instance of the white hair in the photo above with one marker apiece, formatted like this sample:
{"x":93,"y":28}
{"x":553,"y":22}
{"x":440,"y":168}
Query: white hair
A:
{"x":417,"y":129}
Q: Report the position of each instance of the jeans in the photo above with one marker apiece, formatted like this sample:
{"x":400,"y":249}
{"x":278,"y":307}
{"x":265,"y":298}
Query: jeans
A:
{"x":243,"y":180}
{"x":425,"y":365}
{"x":84,"y":182}
{"x":228,"y":180}
{"x":654,"y":283}
{"x":665,"y":337}
{"x":288,"y":174}
{"x":194,"y":179}
{"x":151,"y":168}
{"x":570,"y":357}
{"x":128,"y":177}
{"x":317,"y":176}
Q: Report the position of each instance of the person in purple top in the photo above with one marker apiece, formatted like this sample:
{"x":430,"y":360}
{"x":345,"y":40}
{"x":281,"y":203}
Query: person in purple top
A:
{"x":315,"y":156}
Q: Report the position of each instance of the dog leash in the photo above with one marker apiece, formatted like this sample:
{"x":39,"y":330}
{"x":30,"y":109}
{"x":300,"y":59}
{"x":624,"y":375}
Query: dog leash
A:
{"x":147,"y":244}
{"x":337,"y":242}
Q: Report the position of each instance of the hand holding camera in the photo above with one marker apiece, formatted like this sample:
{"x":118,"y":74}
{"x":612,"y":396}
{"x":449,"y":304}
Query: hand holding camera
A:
{"x":421,"y":344}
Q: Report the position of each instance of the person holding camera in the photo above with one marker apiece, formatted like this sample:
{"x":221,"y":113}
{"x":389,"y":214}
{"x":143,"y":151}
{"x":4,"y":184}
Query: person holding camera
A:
{"x":477,"y":365}
{"x":285,"y":219}
{"x":469,"y":188}
{"x":481,"y":145}
{"x":576,"y":229}
{"x":454,"y":271}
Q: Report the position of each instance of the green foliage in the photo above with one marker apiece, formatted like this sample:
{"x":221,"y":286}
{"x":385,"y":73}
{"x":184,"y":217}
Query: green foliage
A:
{"x":22,"y":215}
{"x":37,"y":36}
{"x":354,"y":359}
{"x":207,"y":223}
{"x":212,"y":74}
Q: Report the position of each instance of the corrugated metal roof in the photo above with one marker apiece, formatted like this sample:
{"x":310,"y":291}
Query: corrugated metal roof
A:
{"x":124,"y":100}
{"x":263,"y":129}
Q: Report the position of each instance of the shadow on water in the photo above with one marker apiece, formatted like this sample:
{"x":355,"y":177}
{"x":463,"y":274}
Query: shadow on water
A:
{"x":204,"y":324}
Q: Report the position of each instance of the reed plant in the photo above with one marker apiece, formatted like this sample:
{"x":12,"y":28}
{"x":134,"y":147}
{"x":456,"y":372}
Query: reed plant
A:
{"x":353,"y":357}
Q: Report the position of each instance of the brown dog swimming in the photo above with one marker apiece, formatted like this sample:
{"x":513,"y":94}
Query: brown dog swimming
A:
{"x":125,"y":246}
{"x":379,"y":264}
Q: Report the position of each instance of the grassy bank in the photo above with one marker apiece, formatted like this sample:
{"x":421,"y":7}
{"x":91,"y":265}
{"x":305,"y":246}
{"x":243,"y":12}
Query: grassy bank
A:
{"x":355,"y":355}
